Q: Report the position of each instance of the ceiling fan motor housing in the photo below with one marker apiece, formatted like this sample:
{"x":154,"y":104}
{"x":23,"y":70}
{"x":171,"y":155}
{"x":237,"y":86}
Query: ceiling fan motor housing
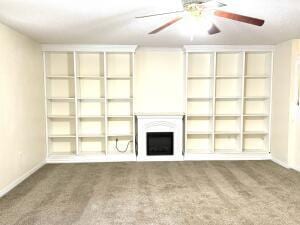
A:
{"x":187,"y":3}
{"x":194,"y":7}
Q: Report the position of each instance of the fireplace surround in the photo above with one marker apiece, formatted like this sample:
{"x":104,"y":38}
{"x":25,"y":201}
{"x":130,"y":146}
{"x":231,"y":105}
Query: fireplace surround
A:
{"x":160,"y":138}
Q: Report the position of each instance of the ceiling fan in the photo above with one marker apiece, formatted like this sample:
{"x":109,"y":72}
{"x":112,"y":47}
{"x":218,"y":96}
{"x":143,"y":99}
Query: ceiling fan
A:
{"x":200,"y":9}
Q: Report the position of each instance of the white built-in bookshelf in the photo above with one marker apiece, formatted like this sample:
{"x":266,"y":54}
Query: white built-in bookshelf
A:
{"x":89,"y":96}
{"x":89,"y":101}
{"x":228,"y":96}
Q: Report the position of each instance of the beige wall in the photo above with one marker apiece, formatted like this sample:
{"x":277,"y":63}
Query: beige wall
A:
{"x":159,"y":83}
{"x":285,"y":143}
{"x":22,"y":145}
{"x":295,"y":133}
{"x":280,"y":104}
{"x":294,"y":121}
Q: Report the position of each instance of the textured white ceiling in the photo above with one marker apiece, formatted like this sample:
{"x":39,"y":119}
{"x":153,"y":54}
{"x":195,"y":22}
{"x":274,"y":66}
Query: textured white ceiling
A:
{"x":113,"y":22}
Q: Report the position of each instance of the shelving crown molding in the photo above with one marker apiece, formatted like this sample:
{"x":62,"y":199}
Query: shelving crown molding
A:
{"x":227,"y":48}
{"x":88,"y":48}
{"x":133,"y":48}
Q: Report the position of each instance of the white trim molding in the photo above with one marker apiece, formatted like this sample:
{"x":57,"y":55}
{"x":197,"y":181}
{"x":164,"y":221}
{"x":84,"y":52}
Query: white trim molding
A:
{"x":226,"y":48}
{"x":88,"y":48}
{"x":226,"y":156}
{"x":285,"y":164}
{"x":19,"y":180}
{"x":159,"y":49}
{"x":90,"y":158}
{"x":297,"y":168}
{"x":280,"y":162}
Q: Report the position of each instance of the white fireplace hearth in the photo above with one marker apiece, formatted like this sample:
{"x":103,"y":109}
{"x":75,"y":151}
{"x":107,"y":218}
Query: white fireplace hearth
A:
{"x":156,"y":133}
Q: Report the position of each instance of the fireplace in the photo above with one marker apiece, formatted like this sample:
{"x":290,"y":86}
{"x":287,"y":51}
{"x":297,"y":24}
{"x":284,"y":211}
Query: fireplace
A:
{"x":160,"y":138}
{"x":160,"y":143}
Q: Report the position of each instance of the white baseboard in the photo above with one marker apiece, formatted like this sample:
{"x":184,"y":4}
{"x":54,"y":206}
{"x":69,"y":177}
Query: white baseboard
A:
{"x":285,"y":164}
{"x":132,"y":158}
{"x":280,"y":162}
{"x":297,"y":168}
{"x":227,"y":156}
{"x":90,"y":158}
{"x":19,"y":180}
{"x":159,"y":158}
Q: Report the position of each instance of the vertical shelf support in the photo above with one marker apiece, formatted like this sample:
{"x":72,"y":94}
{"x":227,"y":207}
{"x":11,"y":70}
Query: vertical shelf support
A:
{"x":46,"y":102}
{"x":105,"y":103}
{"x":186,"y":71}
{"x":76,"y":102}
{"x":132,"y":102}
{"x":214,"y":102}
{"x":242,"y":102}
{"x":270,"y":101}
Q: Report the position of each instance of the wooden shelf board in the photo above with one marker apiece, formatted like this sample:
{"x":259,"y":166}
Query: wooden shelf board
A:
{"x":200,"y":99}
{"x":227,"y":133}
{"x":255,"y":132}
{"x":60,"y":77}
{"x":119,"y":99}
{"x":61,"y":117}
{"x":266,"y":74}
{"x":256,"y":115}
{"x":91,"y":136}
{"x":257,"y":77}
{"x":199,"y":77}
{"x":91,"y":99}
{"x":91,"y":77}
{"x":120,"y":75}
{"x":199,"y":132}
{"x":62,"y":136}
{"x":227,"y":98}
{"x":228,"y":115}
{"x":229,"y":77}
{"x":256,"y":98}
{"x":200,"y":115}
{"x":91,"y":117}
{"x":118,"y":78}
{"x":61,"y":99}
{"x":119,"y":135}
{"x":120,"y":116}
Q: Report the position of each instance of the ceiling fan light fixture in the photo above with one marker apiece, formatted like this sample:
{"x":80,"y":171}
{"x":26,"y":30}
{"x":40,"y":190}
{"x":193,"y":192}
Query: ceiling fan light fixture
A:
{"x":194,"y":7}
{"x":189,"y":3}
{"x":192,"y":26}
{"x":203,"y":10}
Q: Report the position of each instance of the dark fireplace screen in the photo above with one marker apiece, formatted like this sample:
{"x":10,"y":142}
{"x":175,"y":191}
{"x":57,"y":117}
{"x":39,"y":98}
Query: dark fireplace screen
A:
{"x":160,"y":143}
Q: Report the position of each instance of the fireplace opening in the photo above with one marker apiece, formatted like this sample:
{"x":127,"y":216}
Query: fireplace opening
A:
{"x":160,"y":143}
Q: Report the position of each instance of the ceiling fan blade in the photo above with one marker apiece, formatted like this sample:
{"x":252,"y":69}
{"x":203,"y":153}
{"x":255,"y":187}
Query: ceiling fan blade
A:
{"x":214,"y":30}
{"x":214,"y":4}
{"x":165,"y":25}
{"x":240,"y":18}
{"x":159,"y":14}
{"x":220,"y":4}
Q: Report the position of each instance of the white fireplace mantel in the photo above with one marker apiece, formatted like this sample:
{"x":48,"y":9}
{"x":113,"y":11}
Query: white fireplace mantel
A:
{"x":160,"y":123}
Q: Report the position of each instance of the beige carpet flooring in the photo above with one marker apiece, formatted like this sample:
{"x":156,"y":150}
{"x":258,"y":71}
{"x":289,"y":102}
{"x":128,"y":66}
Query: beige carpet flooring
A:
{"x":167,"y":193}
